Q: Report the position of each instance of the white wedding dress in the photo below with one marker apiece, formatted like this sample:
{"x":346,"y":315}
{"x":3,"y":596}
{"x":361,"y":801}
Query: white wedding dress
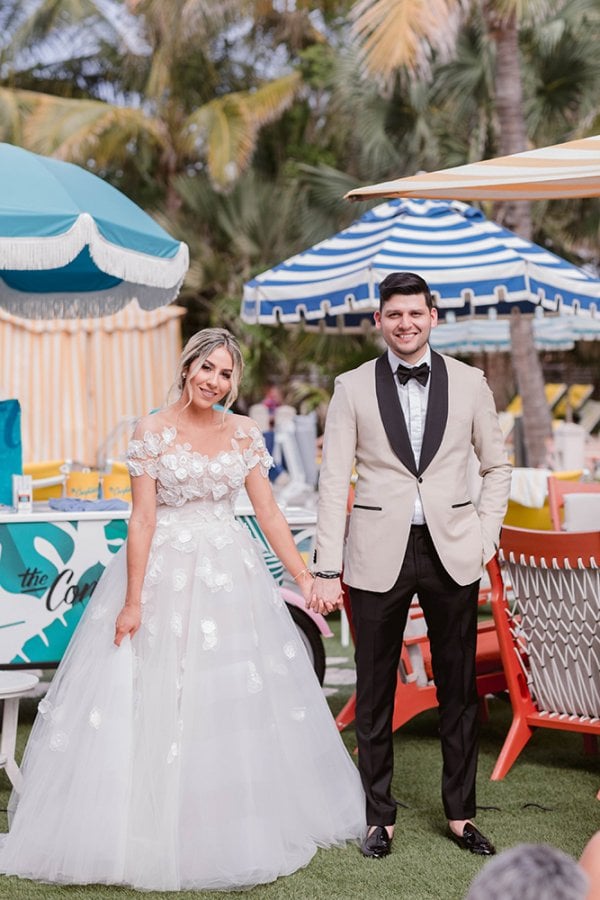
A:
{"x":202,"y":753}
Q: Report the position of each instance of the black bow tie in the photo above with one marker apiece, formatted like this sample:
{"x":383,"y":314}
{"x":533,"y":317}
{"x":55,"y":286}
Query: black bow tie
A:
{"x":421,"y":373}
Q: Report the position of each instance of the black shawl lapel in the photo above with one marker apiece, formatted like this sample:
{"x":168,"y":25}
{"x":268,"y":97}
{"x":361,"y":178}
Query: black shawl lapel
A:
{"x":437,"y":411}
{"x":391,"y":413}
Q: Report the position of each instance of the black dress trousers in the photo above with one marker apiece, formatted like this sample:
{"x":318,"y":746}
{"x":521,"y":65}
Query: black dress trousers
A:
{"x":450,"y":611}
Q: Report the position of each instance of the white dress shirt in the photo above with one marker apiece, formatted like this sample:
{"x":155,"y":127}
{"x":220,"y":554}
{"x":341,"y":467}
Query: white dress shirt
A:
{"x":413,"y":398}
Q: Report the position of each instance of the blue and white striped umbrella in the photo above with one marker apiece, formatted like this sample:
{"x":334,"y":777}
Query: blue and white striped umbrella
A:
{"x":472,"y":264}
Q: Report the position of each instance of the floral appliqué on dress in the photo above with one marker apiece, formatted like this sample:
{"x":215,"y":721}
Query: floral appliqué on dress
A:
{"x":183,"y":474}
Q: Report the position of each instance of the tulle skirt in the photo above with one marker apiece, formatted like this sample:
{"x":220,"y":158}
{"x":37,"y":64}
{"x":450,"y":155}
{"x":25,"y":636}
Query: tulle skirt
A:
{"x":201,"y":754}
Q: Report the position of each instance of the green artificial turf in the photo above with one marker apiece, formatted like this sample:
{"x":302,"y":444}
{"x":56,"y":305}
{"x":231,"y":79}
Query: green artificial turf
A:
{"x":548,"y":796}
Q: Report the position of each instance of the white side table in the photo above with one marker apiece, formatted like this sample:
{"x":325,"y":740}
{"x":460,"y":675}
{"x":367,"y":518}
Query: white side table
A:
{"x":13,"y":686}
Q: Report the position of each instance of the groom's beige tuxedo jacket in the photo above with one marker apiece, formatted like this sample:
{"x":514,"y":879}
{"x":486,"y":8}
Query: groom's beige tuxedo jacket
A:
{"x":366,"y":429}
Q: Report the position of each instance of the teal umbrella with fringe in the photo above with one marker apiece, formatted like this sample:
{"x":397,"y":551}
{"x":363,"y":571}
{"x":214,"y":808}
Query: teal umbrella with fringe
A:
{"x":72,"y":245}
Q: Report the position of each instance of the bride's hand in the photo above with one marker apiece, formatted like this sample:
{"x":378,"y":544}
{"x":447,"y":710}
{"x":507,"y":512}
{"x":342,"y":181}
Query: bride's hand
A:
{"x":128,"y":622}
{"x":327,"y":595}
{"x":305,"y":584}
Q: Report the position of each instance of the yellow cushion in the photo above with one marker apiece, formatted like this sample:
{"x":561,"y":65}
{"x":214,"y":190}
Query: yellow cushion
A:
{"x":553,"y":394}
{"x":575,"y":398}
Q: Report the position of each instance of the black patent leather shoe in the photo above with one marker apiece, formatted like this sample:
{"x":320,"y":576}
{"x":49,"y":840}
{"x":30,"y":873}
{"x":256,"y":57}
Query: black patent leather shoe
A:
{"x":377,"y":844}
{"x":473,"y":841}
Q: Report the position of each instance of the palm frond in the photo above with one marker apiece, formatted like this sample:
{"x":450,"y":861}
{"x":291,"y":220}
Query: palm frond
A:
{"x":256,"y":222}
{"x":563,"y":76}
{"x":403,"y":33}
{"x":225,"y":130}
{"x":327,"y":187}
{"x":226,"y":137}
{"x":79,"y":129}
{"x":524,"y":11}
{"x":51,"y":32}
{"x":15,"y":109}
{"x":190,"y":17}
{"x":270,"y":100}
{"x":357,"y":119}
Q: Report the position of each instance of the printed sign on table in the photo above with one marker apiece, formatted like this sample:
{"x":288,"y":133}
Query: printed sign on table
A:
{"x":48,"y":572}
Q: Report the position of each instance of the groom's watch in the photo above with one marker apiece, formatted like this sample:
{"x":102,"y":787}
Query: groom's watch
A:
{"x":327,"y":574}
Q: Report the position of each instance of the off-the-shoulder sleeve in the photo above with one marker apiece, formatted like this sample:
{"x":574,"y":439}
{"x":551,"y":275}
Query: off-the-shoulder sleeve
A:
{"x":143,"y":454}
{"x":255,"y":452}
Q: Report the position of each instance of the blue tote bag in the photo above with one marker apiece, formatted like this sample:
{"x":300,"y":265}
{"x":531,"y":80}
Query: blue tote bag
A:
{"x":11,"y":451}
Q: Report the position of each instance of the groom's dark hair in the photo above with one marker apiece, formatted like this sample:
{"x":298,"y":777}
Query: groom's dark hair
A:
{"x":404,"y":283}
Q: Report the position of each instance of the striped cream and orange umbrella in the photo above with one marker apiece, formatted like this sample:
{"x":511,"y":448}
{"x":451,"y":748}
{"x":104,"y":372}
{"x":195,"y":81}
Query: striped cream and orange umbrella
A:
{"x":562,"y":170}
{"x":78,"y":379}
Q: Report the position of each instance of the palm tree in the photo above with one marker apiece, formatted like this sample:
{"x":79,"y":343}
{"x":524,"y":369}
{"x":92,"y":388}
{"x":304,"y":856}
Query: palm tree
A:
{"x":409,"y":35}
{"x":244,"y":231}
{"x":159,"y":124}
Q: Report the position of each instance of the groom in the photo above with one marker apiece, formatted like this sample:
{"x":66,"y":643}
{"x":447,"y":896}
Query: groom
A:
{"x":410,"y":422}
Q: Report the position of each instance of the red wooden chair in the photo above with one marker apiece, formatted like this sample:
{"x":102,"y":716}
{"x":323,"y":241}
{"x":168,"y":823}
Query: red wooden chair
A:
{"x":415,"y":690}
{"x":558,"y":489}
{"x":547,"y":626}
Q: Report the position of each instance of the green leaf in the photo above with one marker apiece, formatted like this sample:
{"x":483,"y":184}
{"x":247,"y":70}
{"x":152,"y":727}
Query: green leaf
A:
{"x":22,"y":566}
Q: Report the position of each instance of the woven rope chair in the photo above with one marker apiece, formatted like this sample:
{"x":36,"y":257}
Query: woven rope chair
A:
{"x":548,"y":630}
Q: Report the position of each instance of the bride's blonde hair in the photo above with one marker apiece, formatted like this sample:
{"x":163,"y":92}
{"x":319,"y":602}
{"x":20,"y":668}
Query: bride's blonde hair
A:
{"x":196,"y":352}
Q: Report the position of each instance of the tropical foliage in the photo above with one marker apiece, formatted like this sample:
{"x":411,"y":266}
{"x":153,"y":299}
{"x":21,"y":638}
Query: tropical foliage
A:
{"x":496,"y":75}
{"x":240,"y":124}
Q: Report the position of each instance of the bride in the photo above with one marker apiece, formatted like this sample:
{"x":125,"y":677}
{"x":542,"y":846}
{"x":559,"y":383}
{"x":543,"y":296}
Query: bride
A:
{"x":189,"y":745}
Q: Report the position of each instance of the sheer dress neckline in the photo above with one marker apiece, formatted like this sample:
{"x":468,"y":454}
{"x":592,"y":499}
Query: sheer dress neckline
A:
{"x":168,"y":434}
{"x":183,"y":474}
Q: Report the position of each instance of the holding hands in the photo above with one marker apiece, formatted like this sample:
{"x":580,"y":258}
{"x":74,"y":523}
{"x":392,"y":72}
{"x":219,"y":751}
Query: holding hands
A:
{"x":322,"y":592}
{"x":326,"y":595}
